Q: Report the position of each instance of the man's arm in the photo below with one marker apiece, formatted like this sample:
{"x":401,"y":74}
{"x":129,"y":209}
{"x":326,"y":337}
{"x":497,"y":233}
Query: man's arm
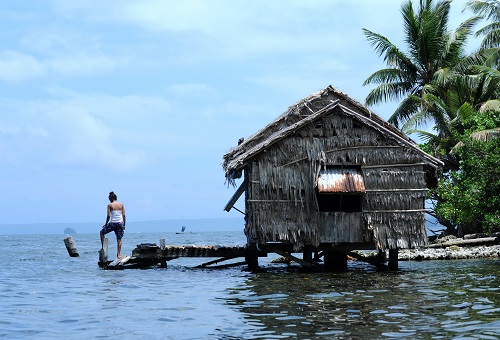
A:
{"x":108,"y":214}
{"x":124,"y":217}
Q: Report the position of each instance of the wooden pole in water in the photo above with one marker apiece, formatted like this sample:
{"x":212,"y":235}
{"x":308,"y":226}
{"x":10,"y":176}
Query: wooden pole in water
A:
{"x":71,"y":246}
{"x":335,"y":261}
{"x":393,"y":259}
{"x":103,"y":253}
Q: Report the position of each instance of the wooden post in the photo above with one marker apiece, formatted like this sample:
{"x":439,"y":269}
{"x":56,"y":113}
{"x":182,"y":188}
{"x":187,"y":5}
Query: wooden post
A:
{"x":103,"y":253}
{"x":393,"y":259}
{"x":307,"y":254}
{"x":71,"y":246}
{"x":381,"y":256}
{"x":252,"y":260}
{"x":335,"y":261}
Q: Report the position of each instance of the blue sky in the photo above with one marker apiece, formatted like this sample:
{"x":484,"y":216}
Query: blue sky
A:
{"x":145,"y":97}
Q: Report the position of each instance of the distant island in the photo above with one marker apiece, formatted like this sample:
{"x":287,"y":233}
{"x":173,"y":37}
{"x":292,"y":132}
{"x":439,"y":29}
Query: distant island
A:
{"x":70,"y":231}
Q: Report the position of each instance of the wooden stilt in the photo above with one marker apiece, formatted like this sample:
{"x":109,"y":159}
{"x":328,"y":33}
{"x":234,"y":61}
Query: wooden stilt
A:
{"x":381,"y":256}
{"x":335,"y":261}
{"x":307,"y":254}
{"x":103,"y":253}
{"x":252,"y":261}
{"x":393,"y":259}
{"x":71,"y":246}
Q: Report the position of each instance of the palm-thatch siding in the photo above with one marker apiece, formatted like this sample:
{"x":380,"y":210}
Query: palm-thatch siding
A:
{"x":282,"y":163}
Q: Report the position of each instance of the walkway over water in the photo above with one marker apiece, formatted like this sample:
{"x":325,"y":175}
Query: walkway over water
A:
{"x":328,"y":257}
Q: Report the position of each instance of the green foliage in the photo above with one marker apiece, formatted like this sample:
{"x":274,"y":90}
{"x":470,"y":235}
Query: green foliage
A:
{"x":470,"y":197}
{"x":459,"y":95}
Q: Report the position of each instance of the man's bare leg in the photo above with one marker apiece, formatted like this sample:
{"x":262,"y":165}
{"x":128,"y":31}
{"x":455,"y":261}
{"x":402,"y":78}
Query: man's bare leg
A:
{"x":119,"y":248}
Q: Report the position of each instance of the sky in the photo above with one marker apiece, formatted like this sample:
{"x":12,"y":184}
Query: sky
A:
{"x":144,"y":98}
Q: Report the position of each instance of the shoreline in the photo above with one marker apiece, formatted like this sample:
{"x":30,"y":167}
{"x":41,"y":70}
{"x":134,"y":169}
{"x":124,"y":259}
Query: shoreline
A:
{"x":450,"y":253}
{"x":477,"y":246}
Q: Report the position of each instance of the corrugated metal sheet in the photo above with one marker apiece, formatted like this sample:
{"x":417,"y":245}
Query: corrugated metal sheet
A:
{"x":341,"y":180}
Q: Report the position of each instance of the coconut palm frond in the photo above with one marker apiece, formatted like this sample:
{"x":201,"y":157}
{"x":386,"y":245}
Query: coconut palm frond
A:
{"x":458,"y":39}
{"x":415,"y":122}
{"x":486,"y":135}
{"x":443,"y":76}
{"x":406,"y":109}
{"x":381,"y":44}
{"x":386,"y":92}
{"x":425,"y":136}
{"x":489,"y":32}
{"x":486,"y":8}
{"x":465,"y":112}
{"x":490,"y":105}
{"x":386,"y":75}
{"x":482,"y":136}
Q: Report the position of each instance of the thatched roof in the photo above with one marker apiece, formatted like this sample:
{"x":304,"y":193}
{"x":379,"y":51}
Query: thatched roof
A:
{"x":304,"y":112}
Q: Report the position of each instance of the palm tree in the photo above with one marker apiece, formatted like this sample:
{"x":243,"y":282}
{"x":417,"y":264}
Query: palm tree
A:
{"x":465,"y":96}
{"x":432,"y":53}
{"x":489,"y":10}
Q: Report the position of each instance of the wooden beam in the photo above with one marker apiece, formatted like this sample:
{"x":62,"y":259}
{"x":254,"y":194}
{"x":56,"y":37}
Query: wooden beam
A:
{"x":385,"y":211}
{"x":241,"y":189}
{"x":229,"y":265}
{"x":214,"y":261}
{"x":394,"y":190}
{"x":71,"y":246}
{"x":292,"y":258}
{"x":390,"y":165}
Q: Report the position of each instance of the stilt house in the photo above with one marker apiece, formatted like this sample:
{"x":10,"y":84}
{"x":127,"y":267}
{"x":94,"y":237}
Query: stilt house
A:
{"x":329,"y":172}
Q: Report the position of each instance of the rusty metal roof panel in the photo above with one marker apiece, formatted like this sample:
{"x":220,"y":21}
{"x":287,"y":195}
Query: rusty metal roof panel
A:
{"x":336,"y":180}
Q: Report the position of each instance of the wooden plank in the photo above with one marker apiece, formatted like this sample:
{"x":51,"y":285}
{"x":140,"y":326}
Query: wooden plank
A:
{"x":124,"y":260}
{"x":241,"y":189}
{"x":292,"y":258}
{"x":390,"y":165}
{"x":214,"y":261}
{"x":114,"y":263}
{"x":119,"y":261}
{"x":229,"y":265}
{"x":71,"y":246}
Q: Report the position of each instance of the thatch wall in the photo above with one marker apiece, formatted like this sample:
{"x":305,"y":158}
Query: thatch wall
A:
{"x":282,"y":163}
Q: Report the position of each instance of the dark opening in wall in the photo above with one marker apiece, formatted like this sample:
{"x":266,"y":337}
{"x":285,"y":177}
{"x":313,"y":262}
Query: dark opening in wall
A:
{"x":340,"y":188}
{"x":330,"y":202}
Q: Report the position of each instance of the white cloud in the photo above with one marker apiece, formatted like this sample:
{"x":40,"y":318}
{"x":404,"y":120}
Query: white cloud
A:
{"x":65,"y":134}
{"x":17,"y":66}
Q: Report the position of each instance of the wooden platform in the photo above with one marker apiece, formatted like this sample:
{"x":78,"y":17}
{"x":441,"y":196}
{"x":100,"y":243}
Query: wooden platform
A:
{"x":152,"y":255}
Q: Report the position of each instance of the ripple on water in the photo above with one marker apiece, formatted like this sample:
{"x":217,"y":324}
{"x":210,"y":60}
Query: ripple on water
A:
{"x":54,"y":295}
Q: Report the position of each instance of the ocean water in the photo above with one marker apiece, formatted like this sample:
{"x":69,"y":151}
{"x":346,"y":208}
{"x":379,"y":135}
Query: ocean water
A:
{"x":45,"y":294}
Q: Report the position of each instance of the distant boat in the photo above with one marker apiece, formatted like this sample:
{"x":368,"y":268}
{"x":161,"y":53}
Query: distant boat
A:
{"x":182,"y":230}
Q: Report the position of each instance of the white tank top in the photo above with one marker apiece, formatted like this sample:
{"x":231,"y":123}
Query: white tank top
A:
{"x":116,"y":216}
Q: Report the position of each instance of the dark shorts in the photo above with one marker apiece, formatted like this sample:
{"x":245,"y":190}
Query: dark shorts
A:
{"x":116,"y":227}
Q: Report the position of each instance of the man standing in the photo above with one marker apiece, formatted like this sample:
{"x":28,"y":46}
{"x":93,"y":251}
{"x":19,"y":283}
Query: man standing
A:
{"x":115,"y":221}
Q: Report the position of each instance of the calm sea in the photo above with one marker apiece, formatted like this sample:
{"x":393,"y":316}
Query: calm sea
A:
{"x":46,"y":294}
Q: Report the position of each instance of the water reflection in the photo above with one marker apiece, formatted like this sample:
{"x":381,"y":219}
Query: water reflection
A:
{"x":422,"y":300}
